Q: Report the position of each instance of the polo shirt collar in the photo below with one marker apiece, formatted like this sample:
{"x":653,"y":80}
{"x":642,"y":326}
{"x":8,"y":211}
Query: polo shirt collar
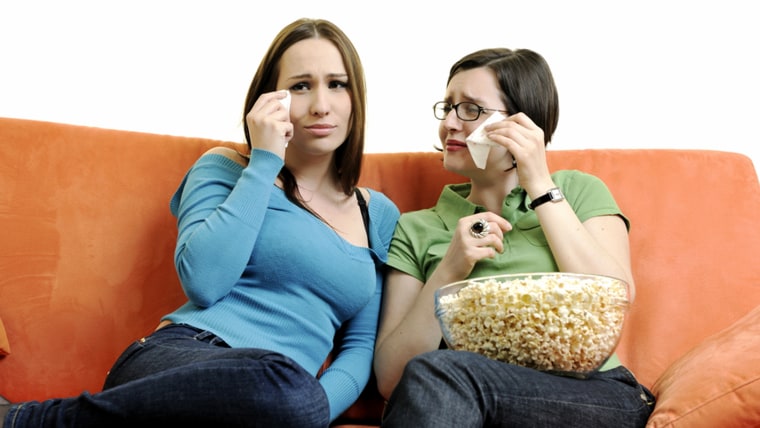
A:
{"x":453,"y":204}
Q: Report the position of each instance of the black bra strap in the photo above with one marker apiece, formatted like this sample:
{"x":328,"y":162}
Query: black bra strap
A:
{"x":363,"y":208}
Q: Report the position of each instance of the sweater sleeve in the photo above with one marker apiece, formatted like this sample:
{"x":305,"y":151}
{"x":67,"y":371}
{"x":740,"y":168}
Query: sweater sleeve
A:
{"x":349,"y":373}
{"x":220,"y":207}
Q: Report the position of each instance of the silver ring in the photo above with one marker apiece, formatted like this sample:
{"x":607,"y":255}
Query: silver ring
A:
{"x":480,"y":228}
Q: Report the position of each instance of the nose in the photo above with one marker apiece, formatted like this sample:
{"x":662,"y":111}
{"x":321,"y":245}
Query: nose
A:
{"x":452,"y":122}
{"x":320,"y":103}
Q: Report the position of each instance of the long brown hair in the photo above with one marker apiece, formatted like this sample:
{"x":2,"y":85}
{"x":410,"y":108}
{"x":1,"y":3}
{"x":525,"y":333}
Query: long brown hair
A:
{"x":348,"y":156}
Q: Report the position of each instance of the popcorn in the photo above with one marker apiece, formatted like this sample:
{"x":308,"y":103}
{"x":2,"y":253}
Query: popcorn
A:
{"x":553,"y":322}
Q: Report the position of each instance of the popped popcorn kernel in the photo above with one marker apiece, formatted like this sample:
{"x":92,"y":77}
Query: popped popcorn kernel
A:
{"x":551,"y":322}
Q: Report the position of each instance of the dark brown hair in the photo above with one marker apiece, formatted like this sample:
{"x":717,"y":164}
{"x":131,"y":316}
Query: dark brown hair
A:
{"x":526,"y":83}
{"x":348,"y":157}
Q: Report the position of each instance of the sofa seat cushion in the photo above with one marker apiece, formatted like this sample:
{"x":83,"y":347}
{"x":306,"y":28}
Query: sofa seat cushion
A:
{"x":716,"y":384}
{"x":5,"y":347}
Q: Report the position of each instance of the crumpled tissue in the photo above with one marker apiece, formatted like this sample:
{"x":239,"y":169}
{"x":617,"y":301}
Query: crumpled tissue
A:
{"x":286,"y":101}
{"x":479,"y":144}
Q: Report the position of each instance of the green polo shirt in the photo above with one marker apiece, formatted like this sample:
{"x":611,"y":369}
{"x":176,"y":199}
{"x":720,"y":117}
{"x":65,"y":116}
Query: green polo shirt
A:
{"x":422,"y":237}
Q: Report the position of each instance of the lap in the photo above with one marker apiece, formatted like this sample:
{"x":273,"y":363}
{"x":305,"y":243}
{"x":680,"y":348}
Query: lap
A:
{"x":500,"y":394}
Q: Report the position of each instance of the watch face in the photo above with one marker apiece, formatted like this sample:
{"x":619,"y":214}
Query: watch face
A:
{"x":556,"y":194}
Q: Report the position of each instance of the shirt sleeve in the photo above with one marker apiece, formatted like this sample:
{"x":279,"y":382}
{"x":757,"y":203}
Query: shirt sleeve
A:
{"x":589,"y":196}
{"x":220,"y":207}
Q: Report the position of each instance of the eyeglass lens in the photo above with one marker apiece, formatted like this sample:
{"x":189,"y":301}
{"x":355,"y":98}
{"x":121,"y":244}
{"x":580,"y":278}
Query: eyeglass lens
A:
{"x":464,"y":110}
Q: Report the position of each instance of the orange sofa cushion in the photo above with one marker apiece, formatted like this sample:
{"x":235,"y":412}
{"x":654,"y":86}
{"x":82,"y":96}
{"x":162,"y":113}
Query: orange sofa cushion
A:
{"x":716,"y":384}
{"x":86,"y":259}
{"x":5,"y":347}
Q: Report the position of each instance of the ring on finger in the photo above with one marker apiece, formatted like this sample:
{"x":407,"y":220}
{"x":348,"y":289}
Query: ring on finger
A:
{"x":479,"y":228}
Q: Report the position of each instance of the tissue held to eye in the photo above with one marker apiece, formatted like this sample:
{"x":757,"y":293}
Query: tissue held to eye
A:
{"x":286,"y":101}
{"x":478,"y":142}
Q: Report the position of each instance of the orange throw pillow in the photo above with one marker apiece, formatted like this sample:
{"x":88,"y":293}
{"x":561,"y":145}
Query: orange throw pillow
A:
{"x":5,"y":348}
{"x":716,"y":384}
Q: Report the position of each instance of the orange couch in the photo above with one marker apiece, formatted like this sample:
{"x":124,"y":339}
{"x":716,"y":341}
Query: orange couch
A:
{"x":87,"y":242}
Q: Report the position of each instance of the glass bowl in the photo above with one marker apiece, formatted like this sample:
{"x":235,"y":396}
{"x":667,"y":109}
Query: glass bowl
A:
{"x":563,"y":323}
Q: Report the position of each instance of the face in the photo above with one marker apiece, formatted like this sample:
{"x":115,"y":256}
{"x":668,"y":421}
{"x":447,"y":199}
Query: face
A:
{"x":479,"y":86}
{"x":320,"y":107}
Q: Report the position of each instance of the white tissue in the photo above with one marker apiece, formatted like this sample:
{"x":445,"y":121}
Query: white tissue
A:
{"x":286,"y":101}
{"x":479,"y":144}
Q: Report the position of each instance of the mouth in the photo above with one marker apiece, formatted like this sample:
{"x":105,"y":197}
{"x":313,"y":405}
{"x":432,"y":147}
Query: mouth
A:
{"x":455,"y":145}
{"x":321,"y":129}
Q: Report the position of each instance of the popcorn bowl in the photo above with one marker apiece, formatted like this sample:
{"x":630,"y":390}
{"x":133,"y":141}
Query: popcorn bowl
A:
{"x":563,"y":323}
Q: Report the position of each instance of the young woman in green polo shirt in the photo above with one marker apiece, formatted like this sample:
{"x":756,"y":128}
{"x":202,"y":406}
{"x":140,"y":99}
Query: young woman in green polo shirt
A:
{"x":513,"y":216}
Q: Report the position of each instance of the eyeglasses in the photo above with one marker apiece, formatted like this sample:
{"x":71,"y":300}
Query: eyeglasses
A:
{"x":465,"y":111}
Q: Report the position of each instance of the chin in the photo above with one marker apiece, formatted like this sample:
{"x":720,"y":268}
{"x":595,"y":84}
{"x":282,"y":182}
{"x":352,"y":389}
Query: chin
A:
{"x":457,"y":165}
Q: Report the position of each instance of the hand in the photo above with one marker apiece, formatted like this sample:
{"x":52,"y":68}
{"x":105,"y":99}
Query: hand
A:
{"x":525,"y":141}
{"x":465,"y":249}
{"x":269,"y":125}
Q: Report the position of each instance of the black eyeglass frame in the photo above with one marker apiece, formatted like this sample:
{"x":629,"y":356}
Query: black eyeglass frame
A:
{"x":455,"y":107}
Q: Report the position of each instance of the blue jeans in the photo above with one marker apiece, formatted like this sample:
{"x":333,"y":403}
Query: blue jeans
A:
{"x":462,"y":389}
{"x":181,"y":376}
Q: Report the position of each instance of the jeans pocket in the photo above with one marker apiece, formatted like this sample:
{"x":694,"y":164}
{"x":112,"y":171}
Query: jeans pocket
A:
{"x":125,"y":356}
{"x":623,"y":374}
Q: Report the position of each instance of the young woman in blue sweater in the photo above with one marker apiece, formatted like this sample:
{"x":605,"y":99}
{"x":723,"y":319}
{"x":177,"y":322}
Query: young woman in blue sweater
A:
{"x":280,"y":256}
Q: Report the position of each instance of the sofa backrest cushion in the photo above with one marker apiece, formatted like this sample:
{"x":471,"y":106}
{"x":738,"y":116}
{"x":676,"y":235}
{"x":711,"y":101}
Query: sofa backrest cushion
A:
{"x":5,"y":347}
{"x":86,"y":260}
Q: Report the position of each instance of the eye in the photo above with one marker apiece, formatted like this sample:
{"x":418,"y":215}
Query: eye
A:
{"x":338,"y":84}
{"x":471,"y":109}
{"x":301,"y":86}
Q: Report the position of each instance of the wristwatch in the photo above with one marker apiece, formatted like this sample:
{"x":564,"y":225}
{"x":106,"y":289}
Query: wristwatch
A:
{"x":553,"y":195}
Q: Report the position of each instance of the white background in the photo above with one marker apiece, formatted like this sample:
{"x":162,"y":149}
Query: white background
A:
{"x":643,"y":74}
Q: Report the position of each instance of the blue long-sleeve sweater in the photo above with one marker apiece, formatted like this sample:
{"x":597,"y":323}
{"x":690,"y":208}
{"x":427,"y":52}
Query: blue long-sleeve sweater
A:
{"x":261,"y":272}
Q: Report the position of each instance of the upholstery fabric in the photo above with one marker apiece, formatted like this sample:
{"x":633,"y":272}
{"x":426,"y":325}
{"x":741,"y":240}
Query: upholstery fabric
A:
{"x":87,"y":242}
{"x":716,"y":384}
{"x":5,"y":347}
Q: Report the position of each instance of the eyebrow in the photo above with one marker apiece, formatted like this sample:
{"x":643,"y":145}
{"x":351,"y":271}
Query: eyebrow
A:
{"x":309,"y":76}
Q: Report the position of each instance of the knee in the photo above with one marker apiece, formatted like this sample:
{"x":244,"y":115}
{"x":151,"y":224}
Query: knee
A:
{"x":430,"y":367}
{"x":439,"y":361}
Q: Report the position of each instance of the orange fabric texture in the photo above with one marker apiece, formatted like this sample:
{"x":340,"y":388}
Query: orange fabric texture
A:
{"x":5,"y":347}
{"x":716,"y":384}
{"x":86,"y":258}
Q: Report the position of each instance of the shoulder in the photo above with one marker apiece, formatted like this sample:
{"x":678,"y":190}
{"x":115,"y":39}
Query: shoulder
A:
{"x":588,"y":194}
{"x":381,"y":208}
{"x":228,"y":153}
{"x":574,"y":175}
{"x":577,"y":180}
{"x":423,"y":216}
{"x":378,"y":200}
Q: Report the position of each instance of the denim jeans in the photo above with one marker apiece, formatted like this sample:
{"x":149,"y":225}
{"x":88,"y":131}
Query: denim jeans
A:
{"x":460,"y":389}
{"x":181,"y":376}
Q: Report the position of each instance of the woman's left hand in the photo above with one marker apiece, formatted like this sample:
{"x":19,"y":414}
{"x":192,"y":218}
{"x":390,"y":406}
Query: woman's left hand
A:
{"x":525,"y":142}
{"x":476,"y":237}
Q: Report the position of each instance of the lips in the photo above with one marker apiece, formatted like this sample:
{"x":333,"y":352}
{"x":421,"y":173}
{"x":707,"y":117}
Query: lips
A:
{"x":321,"y":129}
{"x":455,"y":145}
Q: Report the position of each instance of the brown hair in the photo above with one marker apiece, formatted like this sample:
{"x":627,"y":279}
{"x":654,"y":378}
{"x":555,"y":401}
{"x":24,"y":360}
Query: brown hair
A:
{"x":348,"y":157}
{"x":525,"y":80}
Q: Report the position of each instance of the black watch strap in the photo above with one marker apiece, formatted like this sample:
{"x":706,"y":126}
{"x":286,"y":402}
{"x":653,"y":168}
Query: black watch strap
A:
{"x":553,"y":195}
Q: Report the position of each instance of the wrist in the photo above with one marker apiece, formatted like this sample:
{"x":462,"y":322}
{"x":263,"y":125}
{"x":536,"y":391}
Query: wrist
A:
{"x":553,"y":195}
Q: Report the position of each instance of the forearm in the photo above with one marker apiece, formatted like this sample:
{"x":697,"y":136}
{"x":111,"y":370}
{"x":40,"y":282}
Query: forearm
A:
{"x":218,"y":219}
{"x":597,"y":246}
{"x":417,"y":332}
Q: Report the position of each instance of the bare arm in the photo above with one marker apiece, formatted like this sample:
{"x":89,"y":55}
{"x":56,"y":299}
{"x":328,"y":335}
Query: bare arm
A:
{"x":407,"y":327}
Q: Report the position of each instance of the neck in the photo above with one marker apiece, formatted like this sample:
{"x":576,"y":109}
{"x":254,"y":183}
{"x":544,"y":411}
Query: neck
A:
{"x":491,"y":193}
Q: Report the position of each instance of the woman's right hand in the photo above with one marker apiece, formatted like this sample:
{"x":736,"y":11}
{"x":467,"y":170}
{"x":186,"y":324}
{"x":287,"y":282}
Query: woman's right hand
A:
{"x":465,"y":249}
{"x":269,"y":126}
